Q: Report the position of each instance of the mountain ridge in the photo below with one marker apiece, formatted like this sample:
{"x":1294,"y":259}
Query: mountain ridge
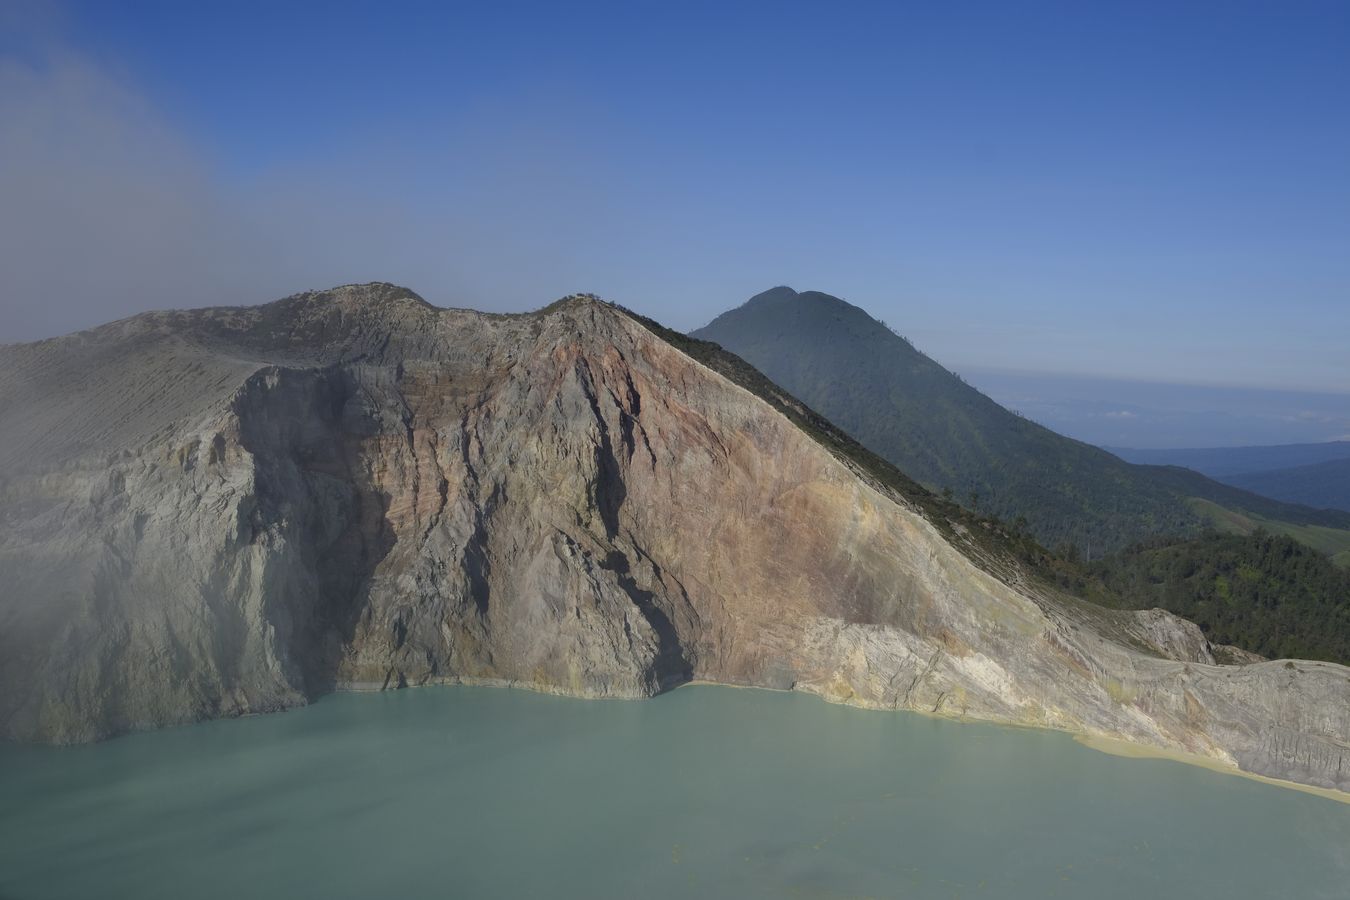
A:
{"x":1320,"y":485}
{"x":1221,"y":462}
{"x":1313,"y":475}
{"x":925,"y":419}
{"x":262,"y":505}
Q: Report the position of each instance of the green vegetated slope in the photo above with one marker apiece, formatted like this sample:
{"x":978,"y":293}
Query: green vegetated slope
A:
{"x":1267,"y":593}
{"x":1333,"y":542}
{"x":908,"y":409}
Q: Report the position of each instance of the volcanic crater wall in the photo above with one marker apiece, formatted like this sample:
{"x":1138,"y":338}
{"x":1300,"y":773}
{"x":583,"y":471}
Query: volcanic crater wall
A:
{"x":236,"y":510}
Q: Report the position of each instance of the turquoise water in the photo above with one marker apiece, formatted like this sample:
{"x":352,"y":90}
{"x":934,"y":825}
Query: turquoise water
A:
{"x":481,"y":792}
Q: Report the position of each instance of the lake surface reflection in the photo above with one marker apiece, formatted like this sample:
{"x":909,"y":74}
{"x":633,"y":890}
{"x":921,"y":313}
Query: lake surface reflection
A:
{"x":706,"y":791}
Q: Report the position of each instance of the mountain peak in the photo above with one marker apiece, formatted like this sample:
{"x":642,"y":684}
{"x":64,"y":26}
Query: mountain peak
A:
{"x":370,"y":295}
{"x":772,"y":295}
{"x":574,"y":301}
{"x":784,"y":295}
{"x":814,"y":315}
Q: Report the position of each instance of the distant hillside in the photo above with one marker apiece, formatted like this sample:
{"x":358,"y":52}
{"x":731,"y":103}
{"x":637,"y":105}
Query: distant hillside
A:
{"x":1220,"y":462}
{"x":908,"y":409}
{"x":1324,"y":485}
{"x":1314,"y":475}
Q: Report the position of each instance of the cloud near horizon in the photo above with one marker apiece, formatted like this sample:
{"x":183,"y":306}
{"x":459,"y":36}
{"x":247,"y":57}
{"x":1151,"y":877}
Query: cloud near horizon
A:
{"x":110,"y":210}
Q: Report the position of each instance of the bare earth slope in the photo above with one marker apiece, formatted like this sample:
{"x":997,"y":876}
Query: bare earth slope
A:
{"x":233,"y":510}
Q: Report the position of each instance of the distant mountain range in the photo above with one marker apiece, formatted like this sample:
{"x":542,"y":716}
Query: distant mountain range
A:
{"x":1316,"y":475}
{"x":1221,"y":462}
{"x":1324,"y":484}
{"x":911,"y":411}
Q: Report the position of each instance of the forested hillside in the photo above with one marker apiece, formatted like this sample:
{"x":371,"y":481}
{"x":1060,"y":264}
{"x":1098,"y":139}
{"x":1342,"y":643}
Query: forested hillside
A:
{"x":1266,"y":593}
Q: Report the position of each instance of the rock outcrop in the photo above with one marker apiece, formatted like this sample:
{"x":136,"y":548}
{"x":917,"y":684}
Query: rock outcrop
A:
{"x":227,"y":511}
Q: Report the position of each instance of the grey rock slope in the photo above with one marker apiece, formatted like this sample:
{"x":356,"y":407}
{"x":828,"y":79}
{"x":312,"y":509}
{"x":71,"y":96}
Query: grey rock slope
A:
{"x":228,"y":511}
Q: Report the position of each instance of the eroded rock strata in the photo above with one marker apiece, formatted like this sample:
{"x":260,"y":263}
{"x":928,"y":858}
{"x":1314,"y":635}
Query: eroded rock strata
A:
{"x":226,"y":511}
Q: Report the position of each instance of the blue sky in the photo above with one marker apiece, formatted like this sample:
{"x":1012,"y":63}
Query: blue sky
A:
{"x":1149,"y":191}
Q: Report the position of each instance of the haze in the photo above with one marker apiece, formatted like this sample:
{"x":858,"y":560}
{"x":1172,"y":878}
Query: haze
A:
{"x":1135,"y":192}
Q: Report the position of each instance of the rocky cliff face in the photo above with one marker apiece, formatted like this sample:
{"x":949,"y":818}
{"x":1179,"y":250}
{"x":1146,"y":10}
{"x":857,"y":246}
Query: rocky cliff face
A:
{"x":227,"y":511}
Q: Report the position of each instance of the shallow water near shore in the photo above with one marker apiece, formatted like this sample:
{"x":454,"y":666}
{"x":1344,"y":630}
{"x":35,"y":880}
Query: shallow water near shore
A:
{"x":705,"y":791}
